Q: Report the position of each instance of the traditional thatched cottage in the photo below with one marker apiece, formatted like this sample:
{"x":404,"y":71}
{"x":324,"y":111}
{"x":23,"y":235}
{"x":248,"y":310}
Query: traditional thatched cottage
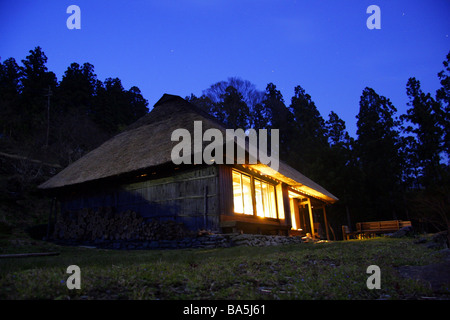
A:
{"x":134,"y":172}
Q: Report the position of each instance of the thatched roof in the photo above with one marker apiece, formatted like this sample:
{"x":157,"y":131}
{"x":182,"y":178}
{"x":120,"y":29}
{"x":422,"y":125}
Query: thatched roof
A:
{"x":147,"y":143}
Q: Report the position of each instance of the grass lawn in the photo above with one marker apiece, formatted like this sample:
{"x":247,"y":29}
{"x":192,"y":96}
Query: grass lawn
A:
{"x":335,"y":270}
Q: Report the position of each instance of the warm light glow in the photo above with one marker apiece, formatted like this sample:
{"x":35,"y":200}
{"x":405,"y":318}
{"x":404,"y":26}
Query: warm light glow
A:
{"x":237,"y":193}
{"x":292,"y":195}
{"x":295,"y":185}
{"x":245,"y":188}
{"x":265,"y":199}
{"x":293,"y":215}
{"x":247,"y":195}
{"x":242,"y":193}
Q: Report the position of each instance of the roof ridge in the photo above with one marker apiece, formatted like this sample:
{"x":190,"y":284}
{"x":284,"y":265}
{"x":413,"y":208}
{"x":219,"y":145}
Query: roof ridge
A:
{"x":159,"y":112}
{"x":166,"y":98}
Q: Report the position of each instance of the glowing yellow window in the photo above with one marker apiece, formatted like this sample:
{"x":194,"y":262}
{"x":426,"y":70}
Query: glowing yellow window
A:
{"x":265,"y":199}
{"x":237,"y":193}
{"x":259,"y":199}
{"x":242,"y":193}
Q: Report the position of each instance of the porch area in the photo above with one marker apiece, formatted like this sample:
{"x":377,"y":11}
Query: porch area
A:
{"x":308,"y":217}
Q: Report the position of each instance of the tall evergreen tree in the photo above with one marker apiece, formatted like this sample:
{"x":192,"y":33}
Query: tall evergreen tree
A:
{"x":424,"y":117}
{"x":336,"y":130}
{"x":342,"y":174}
{"x":310,"y":124}
{"x":259,"y":117}
{"x":429,"y":129}
{"x":443,"y":98}
{"x":76,"y":90}
{"x":37,"y":86}
{"x":36,"y":82}
{"x":276,"y":115}
{"x":10,"y":89}
{"x":115,"y":108}
{"x":73,"y":132}
{"x":310,"y":140}
{"x":377,"y":153}
{"x":138,"y":105}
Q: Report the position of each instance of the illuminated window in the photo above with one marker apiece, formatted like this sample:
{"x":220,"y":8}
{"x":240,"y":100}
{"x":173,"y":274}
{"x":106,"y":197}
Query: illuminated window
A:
{"x":264,"y":193}
{"x":237,"y":193}
{"x":259,"y":199}
{"x":265,"y":199}
{"x":242,"y":193}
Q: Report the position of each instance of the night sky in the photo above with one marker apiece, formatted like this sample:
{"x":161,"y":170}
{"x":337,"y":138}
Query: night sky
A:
{"x":182,"y":47}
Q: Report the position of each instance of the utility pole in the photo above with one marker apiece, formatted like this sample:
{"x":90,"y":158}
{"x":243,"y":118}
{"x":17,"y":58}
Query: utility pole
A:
{"x":48,"y":95}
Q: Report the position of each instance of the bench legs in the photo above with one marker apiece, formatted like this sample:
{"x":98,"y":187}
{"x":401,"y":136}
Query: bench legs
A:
{"x":366,"y":235}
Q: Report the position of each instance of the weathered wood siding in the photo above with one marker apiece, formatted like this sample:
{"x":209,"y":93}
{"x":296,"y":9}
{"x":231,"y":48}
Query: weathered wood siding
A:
{"x":189,"y":196}
{"x":225,"y":190}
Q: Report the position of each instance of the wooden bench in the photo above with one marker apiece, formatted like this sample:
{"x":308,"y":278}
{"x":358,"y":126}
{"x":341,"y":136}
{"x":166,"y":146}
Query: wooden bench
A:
{"x":378,"y":227}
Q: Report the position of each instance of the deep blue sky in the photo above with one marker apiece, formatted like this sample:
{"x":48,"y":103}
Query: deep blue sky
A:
{"x":182,"y":47}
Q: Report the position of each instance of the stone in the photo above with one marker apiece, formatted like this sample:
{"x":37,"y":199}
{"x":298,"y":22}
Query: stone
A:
{"x":438,"y":241}
{"x":203,"y":241}
{"x":403,"y":232}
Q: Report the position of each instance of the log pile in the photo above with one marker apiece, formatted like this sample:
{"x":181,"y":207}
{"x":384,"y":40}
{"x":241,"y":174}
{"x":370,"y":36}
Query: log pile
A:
{"x":105,"y":224}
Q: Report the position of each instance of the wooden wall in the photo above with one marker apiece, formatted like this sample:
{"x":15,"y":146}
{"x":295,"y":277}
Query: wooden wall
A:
{"x":226,"y":190}
{"x":189,"y":196}
{"x":198,"y":196}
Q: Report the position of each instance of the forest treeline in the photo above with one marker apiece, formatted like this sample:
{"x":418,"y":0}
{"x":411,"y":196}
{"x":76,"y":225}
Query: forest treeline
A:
{"x":397,"y":166}
{"x":61,"y":120}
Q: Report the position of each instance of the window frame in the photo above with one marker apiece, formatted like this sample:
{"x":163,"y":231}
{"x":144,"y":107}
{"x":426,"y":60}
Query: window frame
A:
{"x":253,"y":179}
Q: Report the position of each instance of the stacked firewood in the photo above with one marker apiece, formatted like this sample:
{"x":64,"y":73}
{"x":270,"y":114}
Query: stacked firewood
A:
{"x":106,"y":224}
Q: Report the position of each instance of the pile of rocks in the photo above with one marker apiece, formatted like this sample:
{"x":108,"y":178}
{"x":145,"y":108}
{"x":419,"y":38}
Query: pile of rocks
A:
{"x":257,"y":240}
{"x":436,"y":241}
{"x":403,"y":232}
{"x":201,"y":241}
